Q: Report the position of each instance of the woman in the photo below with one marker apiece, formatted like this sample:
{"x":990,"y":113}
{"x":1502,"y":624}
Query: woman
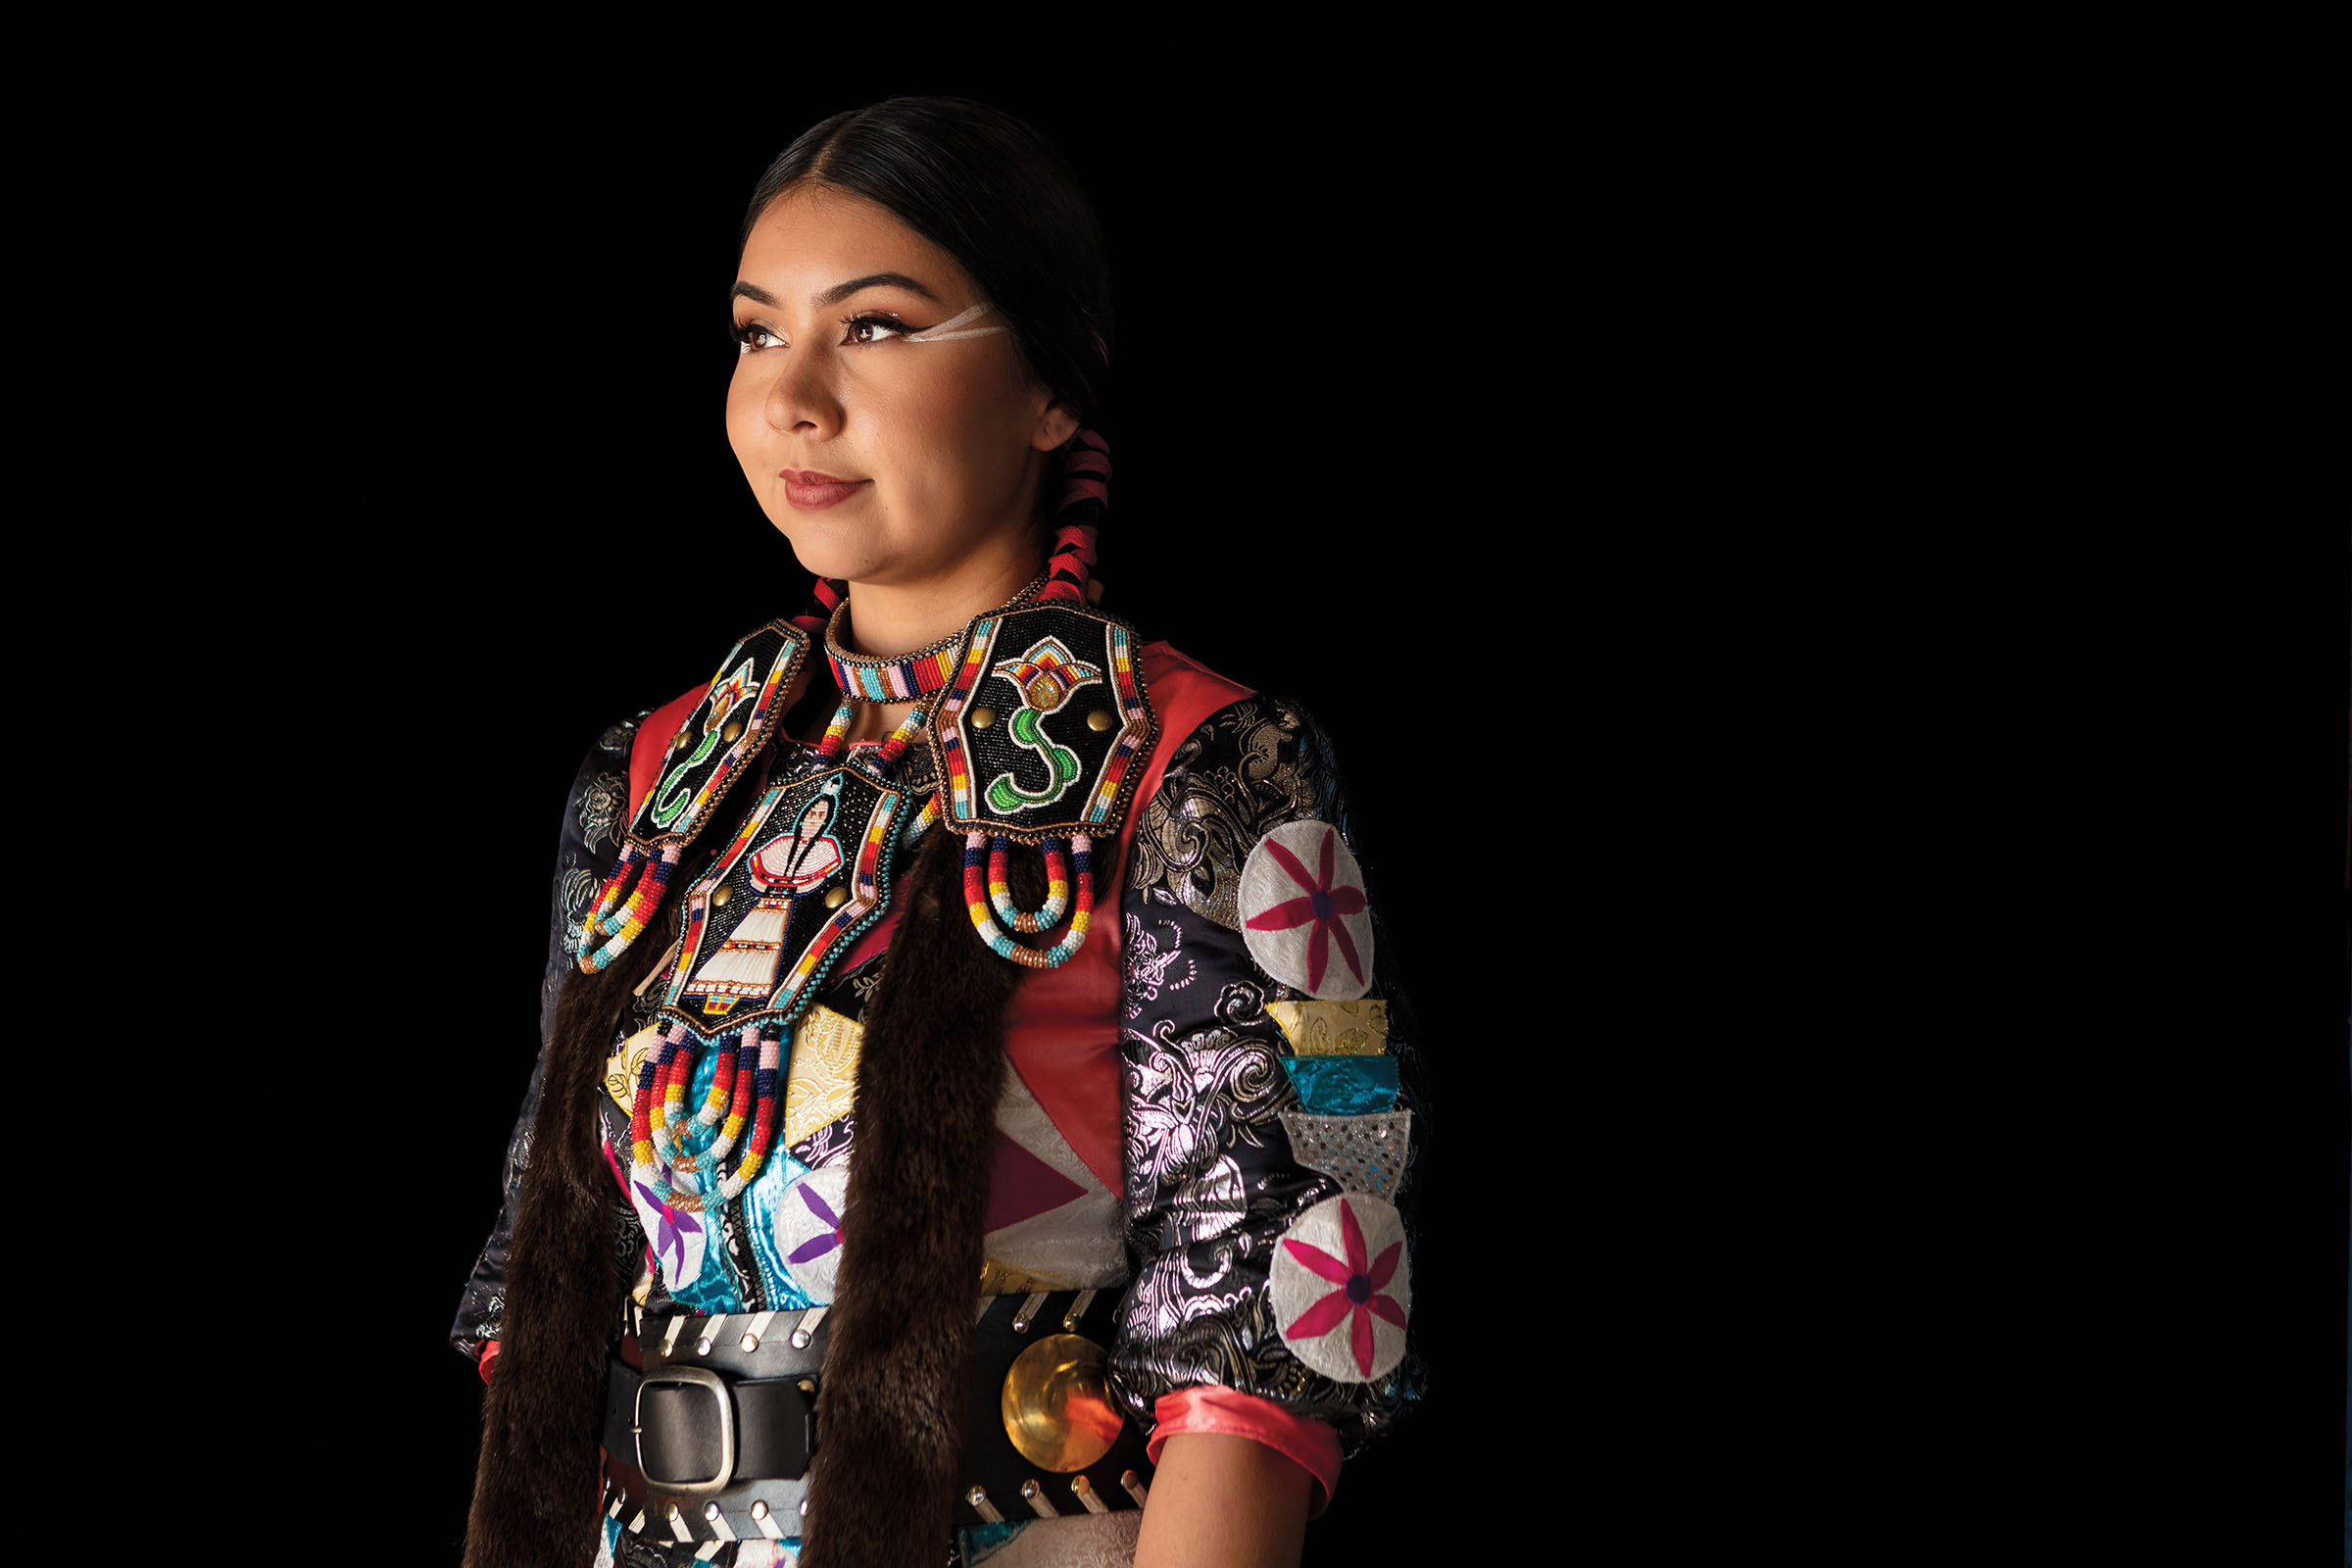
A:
{"x":851,"y":918}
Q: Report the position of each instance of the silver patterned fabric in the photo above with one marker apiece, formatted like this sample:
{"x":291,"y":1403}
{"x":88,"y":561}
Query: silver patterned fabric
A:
{"x":1220,"y":1153}
{"x":1213,"y":1178}
{"x":1363,"y":1154}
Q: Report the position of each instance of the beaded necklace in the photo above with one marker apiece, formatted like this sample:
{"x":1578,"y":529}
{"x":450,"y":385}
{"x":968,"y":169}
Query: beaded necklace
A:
{"x":862,"y":677}
{"x":998,"y":784}
{"x":687,"y":1160}
{"x":664,"y":1144}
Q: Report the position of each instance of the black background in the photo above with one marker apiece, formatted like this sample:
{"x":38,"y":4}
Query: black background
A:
{"x":1328,"y":484}
{"x":1715,"y":416}
{"x":1678,"y":397}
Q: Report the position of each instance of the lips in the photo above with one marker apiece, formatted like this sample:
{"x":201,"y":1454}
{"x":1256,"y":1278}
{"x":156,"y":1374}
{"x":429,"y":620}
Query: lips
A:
{"x":810,"y":491}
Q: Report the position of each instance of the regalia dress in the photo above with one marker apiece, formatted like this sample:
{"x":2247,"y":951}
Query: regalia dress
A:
{"x":1203,"y":1166}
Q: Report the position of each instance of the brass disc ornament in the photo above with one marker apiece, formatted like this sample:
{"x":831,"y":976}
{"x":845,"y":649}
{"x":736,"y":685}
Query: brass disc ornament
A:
{"x":1057,"y":1404}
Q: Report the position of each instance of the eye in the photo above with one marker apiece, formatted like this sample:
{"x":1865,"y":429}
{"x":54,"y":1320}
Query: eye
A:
{"x":872,"y":328}
{"x":750,"y":337}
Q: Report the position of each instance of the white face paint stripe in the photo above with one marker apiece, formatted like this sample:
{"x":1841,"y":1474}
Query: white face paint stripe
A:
{"x":943,"y":333}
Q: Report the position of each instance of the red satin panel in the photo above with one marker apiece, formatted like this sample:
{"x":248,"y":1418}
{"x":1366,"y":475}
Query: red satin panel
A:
{"x":1062,"y":1030}
{"x":652,"y":745}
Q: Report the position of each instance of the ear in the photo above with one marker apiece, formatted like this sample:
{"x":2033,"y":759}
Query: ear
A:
{"x":1055,"y":424}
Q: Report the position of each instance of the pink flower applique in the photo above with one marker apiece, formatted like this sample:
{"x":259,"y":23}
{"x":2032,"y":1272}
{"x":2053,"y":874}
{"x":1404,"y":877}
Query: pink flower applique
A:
{"x":1360,"y":1297}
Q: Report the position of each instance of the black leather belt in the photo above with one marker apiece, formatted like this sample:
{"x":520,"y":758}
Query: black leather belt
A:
{"x":712,"y":1440}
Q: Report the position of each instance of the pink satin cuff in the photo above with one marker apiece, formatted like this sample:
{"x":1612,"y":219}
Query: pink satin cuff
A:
{"x":488,"y":1355}
{"x":1313,"y":1446}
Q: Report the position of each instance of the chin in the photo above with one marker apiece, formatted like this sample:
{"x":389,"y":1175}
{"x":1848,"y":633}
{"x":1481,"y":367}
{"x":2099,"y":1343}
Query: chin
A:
{"x":824,"y":553}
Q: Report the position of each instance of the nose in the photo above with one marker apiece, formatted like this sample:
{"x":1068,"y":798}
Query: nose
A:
{"x":803,"y":395}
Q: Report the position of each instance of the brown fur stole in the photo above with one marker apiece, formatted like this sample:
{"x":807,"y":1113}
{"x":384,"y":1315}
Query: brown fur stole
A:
{"x":535,"y":1488}
{"x":892,"y":1404}
{"x":890,"y":1409}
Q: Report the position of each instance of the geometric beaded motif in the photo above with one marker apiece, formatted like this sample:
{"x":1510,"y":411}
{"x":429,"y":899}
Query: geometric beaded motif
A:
{"x":1363,"y":1154}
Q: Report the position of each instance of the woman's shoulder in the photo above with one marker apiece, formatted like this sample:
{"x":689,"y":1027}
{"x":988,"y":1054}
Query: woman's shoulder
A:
{"x":1232,"y":760}
{"x":1202,"y":712}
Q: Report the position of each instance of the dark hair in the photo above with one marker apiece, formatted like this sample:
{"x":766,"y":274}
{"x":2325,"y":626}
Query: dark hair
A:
{"x":997,"y":196}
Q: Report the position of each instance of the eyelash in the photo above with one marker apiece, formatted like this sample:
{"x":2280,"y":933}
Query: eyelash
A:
{"x":743,"y":332}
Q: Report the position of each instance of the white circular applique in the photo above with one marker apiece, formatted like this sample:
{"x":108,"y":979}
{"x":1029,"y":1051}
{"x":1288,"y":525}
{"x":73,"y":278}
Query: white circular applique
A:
{"x":1302,"y":903}
{"x":1342,"y":1287}
{"x":808,"y":1230}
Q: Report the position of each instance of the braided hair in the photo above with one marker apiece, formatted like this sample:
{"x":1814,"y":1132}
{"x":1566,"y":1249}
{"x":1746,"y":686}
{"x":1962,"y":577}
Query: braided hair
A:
{"x":999,"y":198}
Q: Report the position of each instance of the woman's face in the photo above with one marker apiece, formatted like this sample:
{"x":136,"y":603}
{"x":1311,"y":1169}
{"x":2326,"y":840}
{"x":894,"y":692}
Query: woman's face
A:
{"x":883,"y":461}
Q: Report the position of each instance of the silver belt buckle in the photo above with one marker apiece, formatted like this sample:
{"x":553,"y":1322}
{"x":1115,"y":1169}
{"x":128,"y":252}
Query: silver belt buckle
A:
{"x":702,"y":1378}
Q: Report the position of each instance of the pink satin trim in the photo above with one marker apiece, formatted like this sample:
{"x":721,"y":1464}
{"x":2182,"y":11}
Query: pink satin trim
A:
{"x":1212,"y":1408}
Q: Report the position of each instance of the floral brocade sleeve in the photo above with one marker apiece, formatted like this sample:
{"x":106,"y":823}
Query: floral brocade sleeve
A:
{"x":595,"y":812}
{"x":1272,"y":1092}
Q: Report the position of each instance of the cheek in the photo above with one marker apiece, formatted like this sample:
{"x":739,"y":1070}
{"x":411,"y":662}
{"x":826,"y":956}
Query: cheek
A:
{"x":743,"y":409}
{"x":975,"y":427}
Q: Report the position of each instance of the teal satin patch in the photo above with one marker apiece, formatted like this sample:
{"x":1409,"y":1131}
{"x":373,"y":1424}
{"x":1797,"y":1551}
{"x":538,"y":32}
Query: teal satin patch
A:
{"x":983,"y":1542}
{"x":759,"y":1201}
{"x":1344,"y":1086}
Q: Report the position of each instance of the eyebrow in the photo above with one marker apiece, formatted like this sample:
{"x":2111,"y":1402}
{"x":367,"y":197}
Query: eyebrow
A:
{"x":838,"y":292}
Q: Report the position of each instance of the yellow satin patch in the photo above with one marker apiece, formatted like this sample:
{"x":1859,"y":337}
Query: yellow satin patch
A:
{"x":821,"y":1082}
{"x":620,"y":1068}
{"x":1332,"y":1028}
{"x":1004,"y":1279}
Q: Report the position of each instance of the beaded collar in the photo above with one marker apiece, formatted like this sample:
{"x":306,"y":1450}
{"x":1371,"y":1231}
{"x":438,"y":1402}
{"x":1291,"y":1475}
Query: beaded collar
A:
{"x":898,"y":679}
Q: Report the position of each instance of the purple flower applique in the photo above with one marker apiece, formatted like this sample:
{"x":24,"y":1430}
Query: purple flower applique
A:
{"x":670,"y":1230}
{"x":824,"y":1240}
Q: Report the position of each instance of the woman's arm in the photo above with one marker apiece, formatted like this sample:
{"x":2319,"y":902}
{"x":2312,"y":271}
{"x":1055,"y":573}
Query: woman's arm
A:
{"x":1224,"y":1501}
{"x":1267,"y":1123}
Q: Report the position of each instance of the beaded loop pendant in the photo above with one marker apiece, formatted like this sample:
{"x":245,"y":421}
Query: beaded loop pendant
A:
{"x":980,"y":900}
{"x":735,"y":719}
